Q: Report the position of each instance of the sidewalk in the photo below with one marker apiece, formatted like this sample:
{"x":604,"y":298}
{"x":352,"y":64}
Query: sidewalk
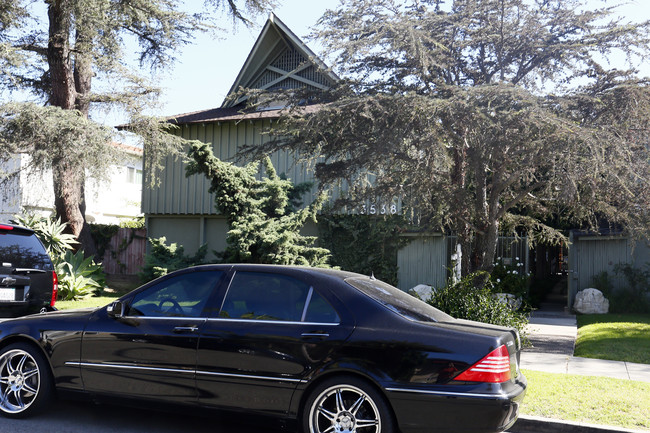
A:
{"x":553,"y":335}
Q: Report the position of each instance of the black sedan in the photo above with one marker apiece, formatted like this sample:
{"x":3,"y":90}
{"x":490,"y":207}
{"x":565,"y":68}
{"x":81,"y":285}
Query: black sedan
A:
{"x":339,"y":352}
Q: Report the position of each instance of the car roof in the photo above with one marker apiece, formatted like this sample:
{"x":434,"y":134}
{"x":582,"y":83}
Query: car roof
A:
{"x":326,"y":272}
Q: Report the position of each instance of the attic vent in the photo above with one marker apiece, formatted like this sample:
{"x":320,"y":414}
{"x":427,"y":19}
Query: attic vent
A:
{"x":312,"y":74}
{"x":289,"y":60}
{"x":267,"y":77}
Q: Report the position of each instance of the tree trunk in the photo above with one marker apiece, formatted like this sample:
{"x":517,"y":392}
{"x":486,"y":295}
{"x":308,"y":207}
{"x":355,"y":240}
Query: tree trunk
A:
{"x":462,"y":226}
{"x":62,"y":93}
{"x":67,"y":180}
{"x":69,"y":200}
{"x":83,"y":73}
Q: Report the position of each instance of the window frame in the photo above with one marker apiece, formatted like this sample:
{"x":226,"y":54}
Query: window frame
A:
{"x":305,"y":308}
{"x":164,"y":282}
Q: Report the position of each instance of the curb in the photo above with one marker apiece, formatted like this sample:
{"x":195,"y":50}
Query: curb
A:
{"x":535,"y":424}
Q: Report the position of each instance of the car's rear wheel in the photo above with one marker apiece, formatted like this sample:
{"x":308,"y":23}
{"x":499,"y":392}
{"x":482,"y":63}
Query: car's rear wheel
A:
{"x":26,"y":384}
{"x":346,"y":404}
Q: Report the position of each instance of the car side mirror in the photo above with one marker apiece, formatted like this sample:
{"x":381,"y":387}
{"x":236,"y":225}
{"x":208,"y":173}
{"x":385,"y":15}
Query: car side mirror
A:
{"x":116,"y":310}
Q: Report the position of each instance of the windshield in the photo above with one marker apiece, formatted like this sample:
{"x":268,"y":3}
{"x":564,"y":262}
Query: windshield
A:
{"x":398,"y":301}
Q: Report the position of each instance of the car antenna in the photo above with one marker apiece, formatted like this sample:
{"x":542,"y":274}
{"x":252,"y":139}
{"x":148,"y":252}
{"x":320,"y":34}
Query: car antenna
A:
{"x":372,"y":275}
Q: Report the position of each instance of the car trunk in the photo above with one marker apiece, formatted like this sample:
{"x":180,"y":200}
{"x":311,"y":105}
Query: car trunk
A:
{"x":504,"y":336}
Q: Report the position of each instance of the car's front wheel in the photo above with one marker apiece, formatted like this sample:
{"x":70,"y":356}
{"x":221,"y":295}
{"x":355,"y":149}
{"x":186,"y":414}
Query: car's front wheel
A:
{"x":346,"y":404}
{"x":26,"y":384}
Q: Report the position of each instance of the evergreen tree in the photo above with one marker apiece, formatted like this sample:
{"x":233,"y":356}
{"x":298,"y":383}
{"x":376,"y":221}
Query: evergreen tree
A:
{"x":263,"y":228}
{"x":483,"y":116}
{"x":58,"y":53}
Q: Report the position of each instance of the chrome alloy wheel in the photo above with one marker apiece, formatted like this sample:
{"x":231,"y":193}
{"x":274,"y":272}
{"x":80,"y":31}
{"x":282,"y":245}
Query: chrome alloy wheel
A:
{"x":344,"y":409}
{"x":20,"y":380}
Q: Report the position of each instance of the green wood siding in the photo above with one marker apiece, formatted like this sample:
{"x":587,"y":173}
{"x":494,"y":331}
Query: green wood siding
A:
{"x":179,"y":195}
{"x":423,"y":261}
{"x":591,"y":255}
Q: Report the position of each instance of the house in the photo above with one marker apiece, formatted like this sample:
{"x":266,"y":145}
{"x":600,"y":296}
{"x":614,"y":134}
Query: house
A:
{"x":594,"y":253}
{"x":106,"y":203}
{"x":182,"y":210}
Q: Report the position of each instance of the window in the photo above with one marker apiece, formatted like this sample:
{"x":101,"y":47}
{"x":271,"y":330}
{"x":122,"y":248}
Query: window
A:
{"x":133,"y":175}
{"x":398,"y":301}
{"x":320,"y":311}
{"x":184,"y":295}
{"x":267,"y":296}
{"x":23,"y":250}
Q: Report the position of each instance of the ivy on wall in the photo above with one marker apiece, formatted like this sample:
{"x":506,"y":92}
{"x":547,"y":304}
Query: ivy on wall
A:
{"x":364,"y":244}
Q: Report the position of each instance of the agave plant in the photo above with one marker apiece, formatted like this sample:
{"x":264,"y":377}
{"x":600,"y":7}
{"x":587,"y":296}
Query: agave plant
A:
{"x":79,"y":276}
{"x":50,"y":231}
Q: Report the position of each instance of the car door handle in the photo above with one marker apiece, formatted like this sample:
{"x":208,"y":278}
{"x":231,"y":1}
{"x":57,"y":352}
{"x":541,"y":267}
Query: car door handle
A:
{"x":182,"y":329}
{"x":320,"y":335}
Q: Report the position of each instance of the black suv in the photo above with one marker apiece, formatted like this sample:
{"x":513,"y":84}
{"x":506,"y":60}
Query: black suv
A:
{"x":28,"y":283}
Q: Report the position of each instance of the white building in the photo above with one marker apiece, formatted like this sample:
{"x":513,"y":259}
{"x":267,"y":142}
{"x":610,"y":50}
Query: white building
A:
{"x":106,"y":202}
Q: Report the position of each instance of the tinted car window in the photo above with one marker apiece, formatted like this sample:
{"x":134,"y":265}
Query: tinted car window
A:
{"x":23,"y":250}
{"x":398,"y":301}
{"x":184,"y":295}
{"x":320,"y":311}
{"x":265,"y":296}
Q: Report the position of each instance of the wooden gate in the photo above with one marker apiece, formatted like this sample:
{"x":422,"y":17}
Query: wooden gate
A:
{"x":125,"y":252}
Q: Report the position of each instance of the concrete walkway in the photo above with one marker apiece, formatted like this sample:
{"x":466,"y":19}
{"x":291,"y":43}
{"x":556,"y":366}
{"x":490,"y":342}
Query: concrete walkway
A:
{"x":553,"y":335}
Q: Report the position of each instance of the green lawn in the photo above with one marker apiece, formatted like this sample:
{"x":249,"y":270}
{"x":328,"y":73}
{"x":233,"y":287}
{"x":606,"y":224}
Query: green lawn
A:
{"x":95,"y":301}
{"x":617,"y":337}
{"x":594,"y":400}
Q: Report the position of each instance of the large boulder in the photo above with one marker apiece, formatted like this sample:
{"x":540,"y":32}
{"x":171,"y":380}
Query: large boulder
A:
{"x":591,"y":301}
{"x":423,"y":291}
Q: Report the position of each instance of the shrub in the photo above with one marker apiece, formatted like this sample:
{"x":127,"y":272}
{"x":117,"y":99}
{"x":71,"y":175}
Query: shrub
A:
{"x":51,"y":232}
{"x":634,"y":297}
{"x":164,"y":259}
{"x":79,"y":276}
{"x":133,"y":223}
{"x":603,"y":282}
{"x":510,"y":278}
{"x":365,"y":244}
{"x":467,"y":300}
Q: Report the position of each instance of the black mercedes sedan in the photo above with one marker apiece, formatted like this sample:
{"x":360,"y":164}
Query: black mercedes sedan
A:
{"x":336,"y":351}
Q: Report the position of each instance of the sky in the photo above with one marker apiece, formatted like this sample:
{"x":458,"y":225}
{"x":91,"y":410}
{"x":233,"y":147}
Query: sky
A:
{"x":206,"y":69}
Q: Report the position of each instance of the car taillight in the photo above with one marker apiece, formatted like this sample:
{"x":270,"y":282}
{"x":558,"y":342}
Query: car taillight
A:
{"x":494,"y":368}
{"x":55,"y":288}
{"x":4,"y":227}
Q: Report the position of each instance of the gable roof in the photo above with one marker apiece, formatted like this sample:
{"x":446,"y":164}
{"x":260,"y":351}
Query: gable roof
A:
{"x":278,"y":60}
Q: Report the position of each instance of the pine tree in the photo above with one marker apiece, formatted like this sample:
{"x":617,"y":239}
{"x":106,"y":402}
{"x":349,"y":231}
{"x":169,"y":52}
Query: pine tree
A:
{"x":482,"y":117}
{"x":263,"y":228}
{"x":59,"y":54}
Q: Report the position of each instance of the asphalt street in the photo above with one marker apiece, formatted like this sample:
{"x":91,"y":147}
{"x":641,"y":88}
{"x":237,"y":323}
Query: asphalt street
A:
{"x":69,"y":416}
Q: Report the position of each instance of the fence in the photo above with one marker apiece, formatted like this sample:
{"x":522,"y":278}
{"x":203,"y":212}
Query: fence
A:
{"x":427,"y":258}
{"x":125,"y":252}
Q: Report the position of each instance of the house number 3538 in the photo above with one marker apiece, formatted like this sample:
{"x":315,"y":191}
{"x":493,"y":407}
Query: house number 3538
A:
{"x":378,"y":209}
